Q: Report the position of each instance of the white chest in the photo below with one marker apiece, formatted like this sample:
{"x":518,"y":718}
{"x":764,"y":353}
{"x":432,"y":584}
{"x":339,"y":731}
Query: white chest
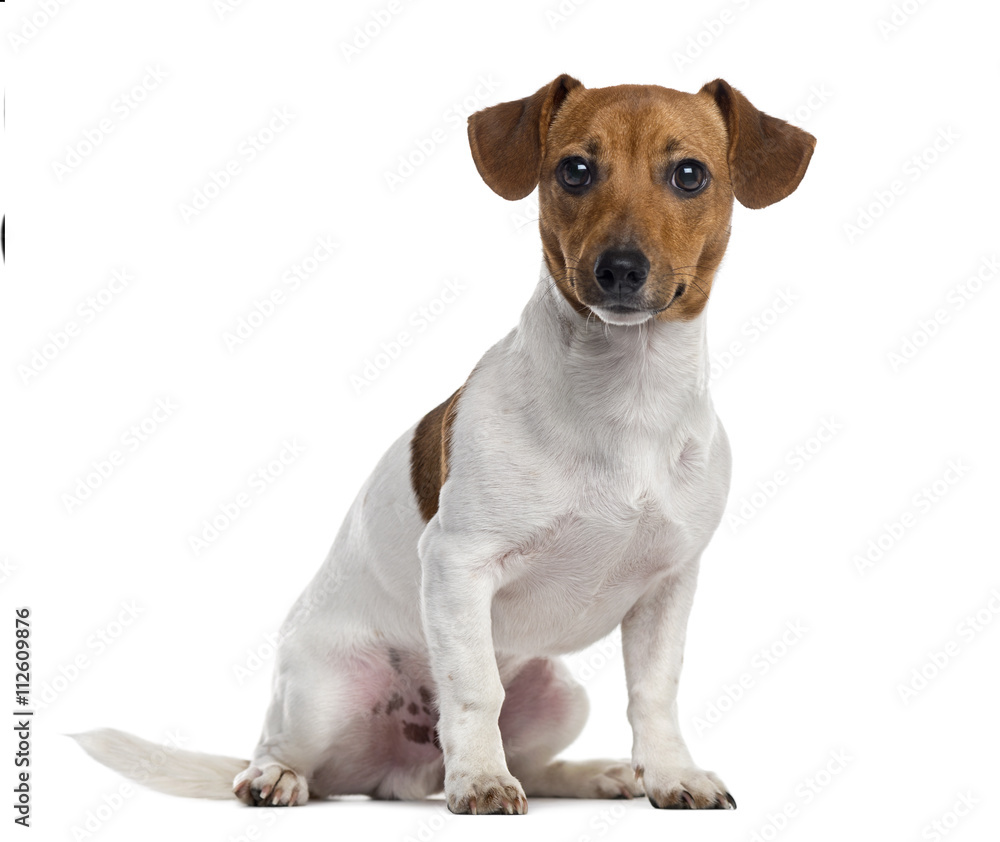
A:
{"x":574,"y":577}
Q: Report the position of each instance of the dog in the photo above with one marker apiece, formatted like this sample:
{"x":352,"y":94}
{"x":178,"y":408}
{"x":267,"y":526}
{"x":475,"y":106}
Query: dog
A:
{"x":567,"y":488}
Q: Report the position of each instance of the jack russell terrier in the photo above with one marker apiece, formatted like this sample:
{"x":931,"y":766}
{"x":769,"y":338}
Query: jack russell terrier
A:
{"x":568,"y":487}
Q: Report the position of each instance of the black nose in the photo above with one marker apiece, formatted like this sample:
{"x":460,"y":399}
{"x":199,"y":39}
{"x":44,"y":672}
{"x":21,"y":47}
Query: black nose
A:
{"x":621,"y":271}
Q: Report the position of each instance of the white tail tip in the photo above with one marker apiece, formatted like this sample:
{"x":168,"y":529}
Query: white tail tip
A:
{"x":165,"y":768}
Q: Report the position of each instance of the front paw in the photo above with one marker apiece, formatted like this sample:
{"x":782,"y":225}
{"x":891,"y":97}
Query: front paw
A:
{"x":685,"y":788}
{"x":484,"y":793}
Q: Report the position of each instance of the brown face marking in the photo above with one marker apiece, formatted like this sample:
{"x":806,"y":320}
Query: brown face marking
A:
{"x":394,"y":703}
{"x":632,"y":139}
{"x":416,"y":733}
{"x":633,"y":136}
{"x":429,"y":455}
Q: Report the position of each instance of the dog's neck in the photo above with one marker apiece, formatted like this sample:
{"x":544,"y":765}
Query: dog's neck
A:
{"x":645,"y":375}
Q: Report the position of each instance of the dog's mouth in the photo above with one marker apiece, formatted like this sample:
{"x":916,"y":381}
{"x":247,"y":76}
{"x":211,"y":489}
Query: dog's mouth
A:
{"x":624,"y":313}
{"x":678,"y":292}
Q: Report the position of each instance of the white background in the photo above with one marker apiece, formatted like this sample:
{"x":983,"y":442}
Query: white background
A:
{"x":874,"y":98}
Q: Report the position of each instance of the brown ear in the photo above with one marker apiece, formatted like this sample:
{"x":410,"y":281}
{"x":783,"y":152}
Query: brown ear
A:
{"x":767,"y":156}
{"x":508,"y":140}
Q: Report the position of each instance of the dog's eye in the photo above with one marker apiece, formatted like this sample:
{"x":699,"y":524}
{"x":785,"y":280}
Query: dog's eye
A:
{"x":573,"y":173}
{"x":689,"y":176}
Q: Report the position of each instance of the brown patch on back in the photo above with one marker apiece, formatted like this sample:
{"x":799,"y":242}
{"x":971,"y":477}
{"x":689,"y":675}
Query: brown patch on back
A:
{"x":429,"y":455}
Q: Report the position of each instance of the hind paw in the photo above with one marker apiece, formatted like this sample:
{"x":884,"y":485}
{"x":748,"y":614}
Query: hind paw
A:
{"x":271,"y":785}
{"x":610,"y":779}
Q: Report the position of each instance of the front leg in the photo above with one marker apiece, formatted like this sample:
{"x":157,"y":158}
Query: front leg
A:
{"x":653,"y":635}
{"x":457,"y":591}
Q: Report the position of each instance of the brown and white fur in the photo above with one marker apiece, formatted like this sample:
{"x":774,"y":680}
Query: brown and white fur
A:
{"x":567,"y":488}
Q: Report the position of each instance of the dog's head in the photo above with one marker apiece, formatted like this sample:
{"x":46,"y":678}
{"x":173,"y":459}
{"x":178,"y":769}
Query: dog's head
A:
{"x":636,"y":186}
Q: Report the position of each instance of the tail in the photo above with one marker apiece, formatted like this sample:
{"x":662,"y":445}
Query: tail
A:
{"x":163,"y":768}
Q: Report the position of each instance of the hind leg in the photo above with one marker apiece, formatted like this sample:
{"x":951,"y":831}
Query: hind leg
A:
{"x":346,"y":725}
{"x":295,"y":735}
{"x":544,"y":710}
